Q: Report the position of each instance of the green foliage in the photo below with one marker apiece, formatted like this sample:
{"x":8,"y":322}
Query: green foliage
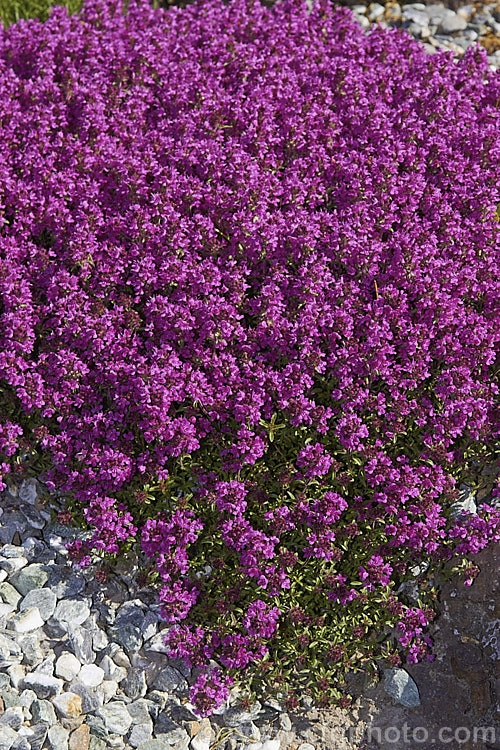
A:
{"x":12,"y":11}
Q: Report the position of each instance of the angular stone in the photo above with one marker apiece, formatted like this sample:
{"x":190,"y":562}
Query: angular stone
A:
{"x":71,"y":612}
{"x":97,"y":727}
{"x":116,"y":718}
{"x":80,"y":738}
{"x":111,"y":670}
{"x":13,"y":564}
{"x":234,"y":715}
{"x":131,"y":613}
{"x":26,"y":621}
{"x":21,"y":744}
{"x":43,"y":711}
{"x":91,"y":700}
{"x":7,"y":737}
{"x":450,"y":24}
{"x":177,"y":737}
{"x":34,"y":518}
{"x":5,"y":610}
{"x":91,"y":675}
{"x":29,"y":491}
{"x":80,"y":641}
{"x":58,"y":738}
{"x":67,"y":666}
{"x":13,"y":717}
{"x":65,"y":583}
{"x":400,"y":686}
{"x":30,"y":645}
{"x":129,"y":636}
{"x":10,"y":698}
{"x":140,"y":733}
{"x":43,"y":685}
{"x":9,"y":594}
{"x":107,"y":690}
{"x":34,"y":576}
{"x":139,"y":711}
{"x":99,"y":639}
{"x":44,"y":599}
{"x":135,"y":685}
{"x":38,"y":736}
{"x":155,"y":744}
{"x":201,"y":741}
{"x":169,"y":680}
{"x":96,"y":743}
{"x":68,"y":705}
{"x":26,"y":698}
{"x":16,"y":674}
{"x":11,"y":550}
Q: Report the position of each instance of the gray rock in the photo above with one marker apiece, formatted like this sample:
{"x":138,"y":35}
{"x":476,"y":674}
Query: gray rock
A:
{"x":129,"y":636}
{"x":140,"y":733}
{"x":38,"y":736}
{"x":420,"y":17}
{"x":12,"y":565}
{"x":177,"y":737}
{"x":96,"y":743}
{"x":111,"y":670}
{"x":375,"y":11}
{"x":44,"y":599}
{"x":44,"y":685}
{"x":26,"y":698}
{"x":135,"y":685}
{"x":97,"y":728}
{"x":91,"y":675}
{"x":58,"y":737}
{"x":9,"y":650}
{"x":30,"y":645}
{"x":155,"y":744}
{"x":10,"y":697}
{"x":43,"y":711}
{"x":400,"y":686}
{"x":71,"y":611}
{"x":234,"y":715}
{"x":169,"y":680}
{"x":116,"y":717}
{"x":34,"y":576}
{"x":36,"y":551}
{"x":67,"y":666}
{"x":21,"y":744}
{"x":26,"y":621}
{"x":451,"y":24}
{"x":29,"y":490}
{"x":131,"y":613}
{"x":9,"y":594}
{"x":7,"y":737}
{"x":33,"y":517}
{"x":99,"y":639}
{"x":139,"y":711}
{"x":91,"y":700}
{"x":13,"y":717}
{"x":68,"y":705}
{"x":465,"y":502}
{"x":66,"y":583}
{"x":11,"y":550}
{"x":80,"y":642}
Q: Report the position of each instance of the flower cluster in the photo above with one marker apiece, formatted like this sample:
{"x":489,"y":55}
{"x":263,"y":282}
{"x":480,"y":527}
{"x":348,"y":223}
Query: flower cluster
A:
{"x":252,"y":254}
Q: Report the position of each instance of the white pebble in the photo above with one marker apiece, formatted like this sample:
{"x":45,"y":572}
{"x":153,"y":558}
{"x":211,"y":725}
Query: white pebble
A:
{"x":91,"y":675}
{"x":67,"y":666}
{"x":28,"y":620}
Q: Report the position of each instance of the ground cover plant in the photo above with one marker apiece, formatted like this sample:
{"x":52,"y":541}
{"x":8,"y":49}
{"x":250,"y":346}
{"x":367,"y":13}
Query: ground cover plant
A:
{"x":249,"y":279}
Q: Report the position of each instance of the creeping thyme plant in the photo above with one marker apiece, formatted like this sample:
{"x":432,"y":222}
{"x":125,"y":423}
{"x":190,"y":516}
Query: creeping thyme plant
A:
{"x":249,"y":278}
